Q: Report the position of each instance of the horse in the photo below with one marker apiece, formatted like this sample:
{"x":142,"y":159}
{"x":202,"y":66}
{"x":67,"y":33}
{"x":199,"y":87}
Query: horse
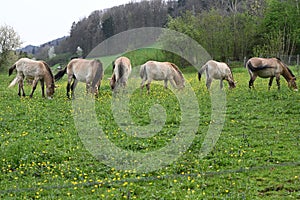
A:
{"x":88,"y":71}
{"x":216,"y":70}
{"x":166,"y":71}
{"x":121,"y":72}
{"x":270,"y":68}
{"x":35,"y":71}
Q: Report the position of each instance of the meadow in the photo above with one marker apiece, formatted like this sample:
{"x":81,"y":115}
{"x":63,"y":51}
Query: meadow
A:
{"x":256,"y":157}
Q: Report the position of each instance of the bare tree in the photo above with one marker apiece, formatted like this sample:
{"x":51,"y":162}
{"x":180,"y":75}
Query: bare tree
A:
{"x":9,"y":41}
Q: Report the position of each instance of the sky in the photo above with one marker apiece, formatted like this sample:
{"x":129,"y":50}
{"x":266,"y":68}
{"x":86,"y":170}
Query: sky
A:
{"x":40,"y":21}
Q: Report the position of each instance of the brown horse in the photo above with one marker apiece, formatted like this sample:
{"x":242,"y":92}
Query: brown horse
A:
{"x":166,"y":71}
{"x":216,"y":70}
{"x":88,"y":71}
{"x":33,"y":70}
{"x":270,"y":68}
{"x":121,"y":72}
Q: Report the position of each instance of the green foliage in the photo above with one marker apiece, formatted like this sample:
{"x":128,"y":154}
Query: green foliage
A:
{"x":223,"y":36}
{"x":9,"y":41}
{"x":61,"y":59}
{"x":280,"y":29}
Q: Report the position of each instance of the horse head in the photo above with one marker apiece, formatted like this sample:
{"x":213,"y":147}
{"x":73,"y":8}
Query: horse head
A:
{"x":112,"y":82}
{"x":292,"y":84}
{"x":232,"y":84}
{"x":50,"y":91}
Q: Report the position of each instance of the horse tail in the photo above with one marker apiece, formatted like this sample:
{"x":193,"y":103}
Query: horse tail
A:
{"x":11,"y":69}
{"x":14,"y":82}
{"x":121,"y":70}
{"x":98,"y":75}
{"x":143,"y":71}
{"x":60,"y":74}
{"x":200,"y":72}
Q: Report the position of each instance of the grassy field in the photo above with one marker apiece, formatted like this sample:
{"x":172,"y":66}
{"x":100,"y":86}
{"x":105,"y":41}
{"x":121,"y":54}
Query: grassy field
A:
{"x":256,"y":157}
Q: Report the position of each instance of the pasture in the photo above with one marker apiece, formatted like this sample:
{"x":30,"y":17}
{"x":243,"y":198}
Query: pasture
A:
{"x":256,"y":157}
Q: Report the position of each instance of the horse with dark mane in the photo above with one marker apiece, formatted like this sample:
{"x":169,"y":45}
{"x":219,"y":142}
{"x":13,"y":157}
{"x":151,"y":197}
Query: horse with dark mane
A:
{"x":270,"y":68}
{"x":121,"y":72}
{"x":88,"y":71}
{"x":33,"y":70}
{"x":161,"y":71}
{"x":216,"y":70}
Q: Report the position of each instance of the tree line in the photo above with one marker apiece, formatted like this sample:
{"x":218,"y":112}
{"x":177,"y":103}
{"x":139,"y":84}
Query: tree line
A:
{"x":227,"y":29}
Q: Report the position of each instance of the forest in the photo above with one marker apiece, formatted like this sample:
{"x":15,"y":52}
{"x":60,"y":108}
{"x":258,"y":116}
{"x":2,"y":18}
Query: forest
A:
{"x":227,"y":29}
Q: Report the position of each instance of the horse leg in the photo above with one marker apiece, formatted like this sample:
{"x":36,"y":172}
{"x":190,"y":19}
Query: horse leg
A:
{"x":278,"y":81}
{"x":208,"y":83}
{"x":88,"y":86}
{"x":251,"y":81}
{"x":34,"y":83}
{"x":97,"y":87}
{"x":221,"y":84}
{"x":19,"y":87}
{"x":68,"y":90}
{"x":148,"y":86}
{"x":270,"y":82}
{"x":42,"y":87}
{"x":20,"y":84}
{"x":166,"y":83}
{"x":142,"y":84}
{"x":73,"y":86}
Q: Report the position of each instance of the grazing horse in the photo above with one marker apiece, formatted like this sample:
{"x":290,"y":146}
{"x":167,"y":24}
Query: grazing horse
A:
{"x":33,"y":70}
{"x":270,"y":67}
{"x":87,"y":71}
{"x":216,"y":70}
{"x":166,"y":71}
{"x":121,"y":72}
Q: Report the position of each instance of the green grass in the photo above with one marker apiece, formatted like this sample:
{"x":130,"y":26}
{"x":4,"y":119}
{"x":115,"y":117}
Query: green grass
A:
{"x":256,"y":157}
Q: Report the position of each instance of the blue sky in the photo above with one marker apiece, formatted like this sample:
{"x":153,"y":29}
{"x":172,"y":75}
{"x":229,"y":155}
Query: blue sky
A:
{"x":39,"y":21}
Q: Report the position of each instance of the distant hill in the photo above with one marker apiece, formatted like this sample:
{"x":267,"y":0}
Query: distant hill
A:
{"x":31,"y":49}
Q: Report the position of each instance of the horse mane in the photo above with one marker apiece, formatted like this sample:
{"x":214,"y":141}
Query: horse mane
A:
{"x":290,"y":71}
{"x":49,"y":70}
{"x":178,"y":71}
{"x":284,"y":65}
{"x":99,"y":72}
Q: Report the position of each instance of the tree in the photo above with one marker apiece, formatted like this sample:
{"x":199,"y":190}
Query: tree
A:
{"x":9,"y":41}
{"x":280,"y":29}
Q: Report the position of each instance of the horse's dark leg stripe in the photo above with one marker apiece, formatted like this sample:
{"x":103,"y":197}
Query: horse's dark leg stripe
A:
{"x":68,"y":90}
{"x":251,"y":83}
{"x":270,"y":82}
{"x":278,"y":82}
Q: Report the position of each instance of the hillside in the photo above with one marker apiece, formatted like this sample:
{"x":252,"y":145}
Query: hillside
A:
{"x":34,"y":50}
{"x":228,"y":30}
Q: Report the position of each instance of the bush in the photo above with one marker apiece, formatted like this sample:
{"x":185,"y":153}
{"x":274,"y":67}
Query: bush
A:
{"x":61,"y":59}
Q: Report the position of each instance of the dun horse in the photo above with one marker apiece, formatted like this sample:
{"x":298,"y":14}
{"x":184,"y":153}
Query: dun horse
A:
{"x":166,"y":71}
{"x":270,"y":68}
{"x":216,"y":70}
{"x":87,"y":71}
{"x":33,"y":70}
{"x":121,"y":72}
